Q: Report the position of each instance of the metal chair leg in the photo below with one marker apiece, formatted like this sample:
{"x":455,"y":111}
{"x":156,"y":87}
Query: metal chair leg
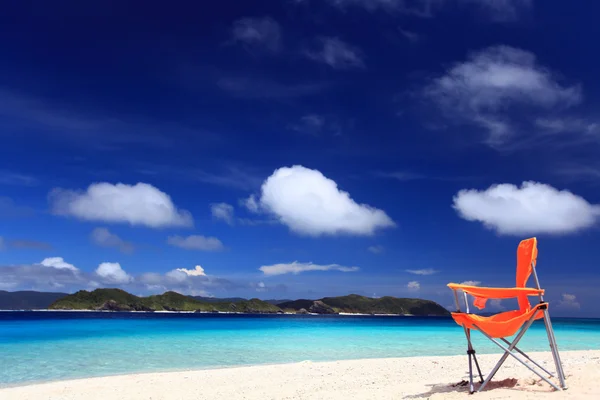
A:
{"x":554,"y":348}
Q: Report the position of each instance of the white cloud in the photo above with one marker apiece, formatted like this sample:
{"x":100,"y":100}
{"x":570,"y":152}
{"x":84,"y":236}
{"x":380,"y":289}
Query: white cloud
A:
{"x":261,"y":287}
{"x":139,"y":204}
{"x":197,"y":271}
{"x":311,"y":204}
{"x":58,"y":263}
{"x":424,"y":271}
{"x":222,"y":211}
{"x":377,"y":249}
{"x":113,"y":273}
{"x":103,"y":237}
{"x":569,"y":302}
{"x":531,"y":209}
{"x":413,"y":286}
{"x":296,"y":268}
{"x":263,"y":32}
{"x":196,"y":242}
{"x":337,"y":54}
{"x":481,"y":90}
{"x":471,"y":283}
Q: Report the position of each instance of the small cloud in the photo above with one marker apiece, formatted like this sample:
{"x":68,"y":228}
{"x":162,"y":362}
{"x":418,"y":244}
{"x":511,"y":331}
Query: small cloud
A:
{"x":222,"y":211}
{"x":196,"y":242}
{"x":471,"y":283}
{"x":309,"y":203}
{"x":496,"y":305}
{"x":425,"y":271}
{"x":104,"y":238}
{"x":377,"y":249}
{"x":531,"y":209}
{"x":258,"y":33}
{"x":297,"y":268}
{"x":140,"y":204}
{"x":337,"y":54}
{"x":112,"y":272}
{"x":413,"y":286}
{"x":58,"y":263}
{"x":197,"y":271}
{"x":260,"y":287}
{"x":569,"y":302}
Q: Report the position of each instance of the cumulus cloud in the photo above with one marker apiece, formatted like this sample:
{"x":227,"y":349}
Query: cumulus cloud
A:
{"x":482,"y":90}
{"x":58,"y":263}
{"x":532,"y":208}
{"x":569,"y":302}
{"x":297,"y":268}
{"x":311,"y":204}
{"x":197,"y":271}
{"x":337,"y":54}
{"x":413,"y":286}
{"x":113,"y":273}
{"x":222,"y":211}
{"x":104,"y":238}
{"x":424,"y":271}
{"x":377,"y":249}
{"x":257,"y":32}
{"x":139,"y":204}
{"x":196,"y":242}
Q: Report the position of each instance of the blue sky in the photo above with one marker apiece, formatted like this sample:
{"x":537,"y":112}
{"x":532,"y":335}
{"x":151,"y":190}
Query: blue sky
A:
{"x":297,"y":149}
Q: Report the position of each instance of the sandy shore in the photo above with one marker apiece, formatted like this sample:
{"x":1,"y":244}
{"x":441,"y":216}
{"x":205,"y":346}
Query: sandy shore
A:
{"x":397,"y":378}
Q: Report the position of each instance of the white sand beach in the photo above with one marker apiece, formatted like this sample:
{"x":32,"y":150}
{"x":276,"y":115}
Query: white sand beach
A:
{"x":397,"y":378}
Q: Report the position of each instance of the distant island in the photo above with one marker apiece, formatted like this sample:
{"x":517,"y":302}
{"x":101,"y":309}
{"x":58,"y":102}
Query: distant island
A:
{"x":120,"y":300}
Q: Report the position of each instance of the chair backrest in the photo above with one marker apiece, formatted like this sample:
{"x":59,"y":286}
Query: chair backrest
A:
{"x":527,"y":253}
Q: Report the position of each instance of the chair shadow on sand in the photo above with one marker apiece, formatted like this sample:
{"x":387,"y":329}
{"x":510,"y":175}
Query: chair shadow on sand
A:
{"x":463,"y":387}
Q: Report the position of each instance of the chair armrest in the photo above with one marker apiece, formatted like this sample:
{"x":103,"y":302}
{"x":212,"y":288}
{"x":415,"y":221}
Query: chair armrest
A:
{"x":495,"y":293}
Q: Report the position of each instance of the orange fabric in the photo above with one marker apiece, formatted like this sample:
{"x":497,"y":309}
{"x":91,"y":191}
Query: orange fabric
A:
{"x":479,"y":302}
{"x":506,"y":323}
{"x":499,"y":325}
{"x":496,"y":293}
{"x":526,"y":258}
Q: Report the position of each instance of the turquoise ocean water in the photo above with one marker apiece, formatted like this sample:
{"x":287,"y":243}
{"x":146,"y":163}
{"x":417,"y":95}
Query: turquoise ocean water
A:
{"x":42,"y":346}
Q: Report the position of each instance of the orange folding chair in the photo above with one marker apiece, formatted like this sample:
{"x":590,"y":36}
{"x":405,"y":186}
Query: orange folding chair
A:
{"x":505,"y":324}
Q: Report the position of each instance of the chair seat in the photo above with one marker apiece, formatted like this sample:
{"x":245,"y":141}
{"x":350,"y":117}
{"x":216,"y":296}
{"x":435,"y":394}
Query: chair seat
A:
{"x":499,"y":325}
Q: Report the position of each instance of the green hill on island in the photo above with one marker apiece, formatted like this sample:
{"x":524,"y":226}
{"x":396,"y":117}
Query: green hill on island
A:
{"x":366,"y":305}
{"x":120,"y":300}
